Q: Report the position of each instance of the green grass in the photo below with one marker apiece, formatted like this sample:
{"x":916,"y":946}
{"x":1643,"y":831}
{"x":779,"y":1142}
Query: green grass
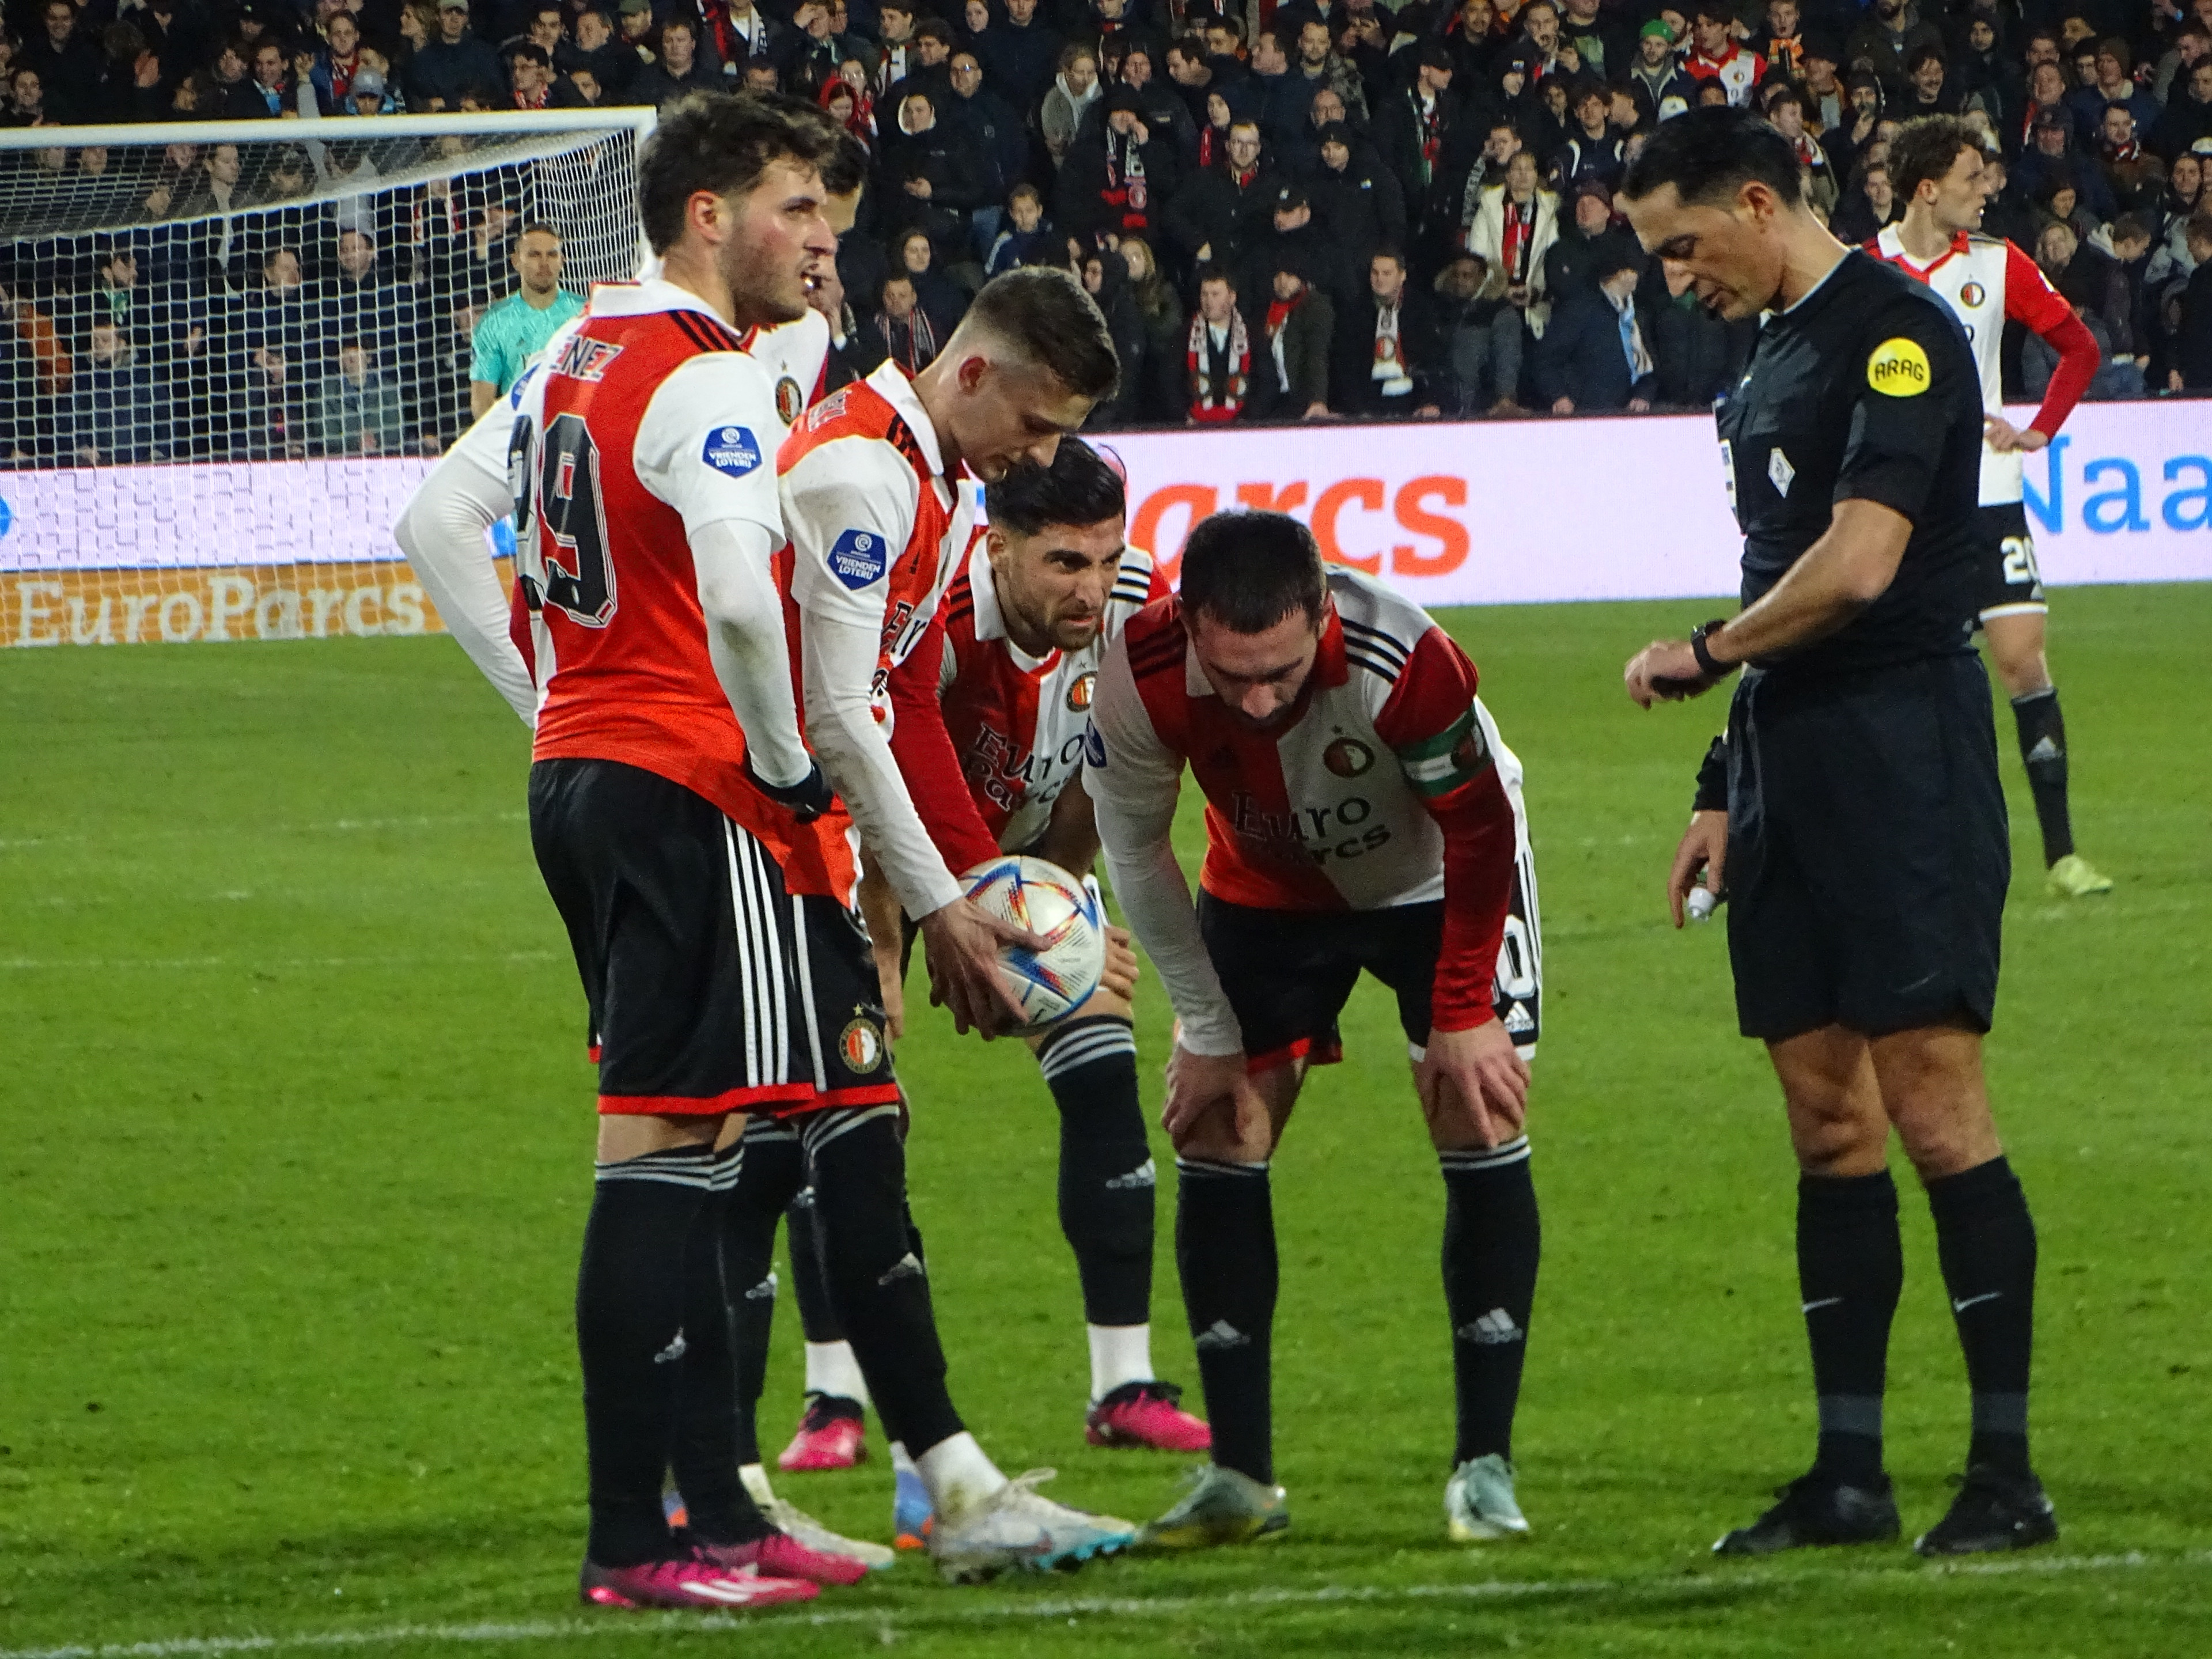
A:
{"x":294,"y":1159}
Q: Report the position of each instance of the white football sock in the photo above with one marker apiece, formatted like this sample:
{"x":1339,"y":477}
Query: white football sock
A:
{"x":1118,"y":1354}
{"x":832,"y":1370}
{"x":957,"y":1474}
{"x":754,"y":1478}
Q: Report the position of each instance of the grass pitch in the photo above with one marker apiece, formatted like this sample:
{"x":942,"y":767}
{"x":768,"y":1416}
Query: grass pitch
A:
{"x":296,"y":1153}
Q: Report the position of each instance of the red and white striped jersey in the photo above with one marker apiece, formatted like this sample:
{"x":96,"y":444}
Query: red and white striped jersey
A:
{"x":1016,"y":721}
{"x":1986,"y":281}
{"x":650,"y":425}
{"x":877,"y":528}
{"x":1738,"y":71}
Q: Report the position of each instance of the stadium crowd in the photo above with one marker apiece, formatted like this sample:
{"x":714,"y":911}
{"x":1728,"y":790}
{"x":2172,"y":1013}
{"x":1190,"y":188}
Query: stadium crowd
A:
{"x":1296,"y":210}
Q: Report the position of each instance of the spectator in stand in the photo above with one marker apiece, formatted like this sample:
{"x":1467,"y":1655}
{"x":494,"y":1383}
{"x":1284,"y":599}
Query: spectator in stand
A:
{"x":1927,"y":89}
{"x":676,"y":70}
{"x":933,"y":50}
{"x":530,"y":76}
{"x":2053,"y":155}
{"x":1160,"y":311}
{"x":850,"y":106}
{"x":1293,"y":242}
{"x":27,"y":100}
{"x":986,"y":127}
{"x":117,"y":405}
{"x":1190,"y":70}
{"x":1594,"y":152}
{"x":734,"y":34}
{"x":1217,"y":380}
{"x":1656,"y":80}
{"x":1318,"y":65}
{"x":931,"y":181}
{"x":444,"y":68}
{"x":1593,"y":356}
{"x":2112,"y":83}
{"x":1827,"y":98}
{"x":1074,"y":90}
{"x":1887,"y":41}
{"x":1697,"y":354}
{"x":357,"y":411}
{"x":2135,"y":176}
{"x":366,"y":93}
{"x":1718,"y":58}
{"x":1514,"y":229}
{"x":2091,"y":280}
{"x":2192,"y":365}
{"x":1105,"y":279}
{"x":1223,"y":209}
{"x":516,"y":329}
{"x":1388,"y":361}
{"x":1025,"y":236}
{"x":596,"y":51}
{"x":1600,"y":44}
{"x":1355,"y":198}
{"x":1420,"y":133}
{"x":1780,"y":38}
{"x":1869,"y":205}
{"x":1118,"y":179}
{"x":2186,"y":46}
{"x":68,"y":64}
{"x":1019,"y":54}
{"x":1572,"y":263}
{"x":1786,"y":109}
{"x":940,"y":299}
{"x":268,"y":91}
{"x":807,"y":54}
{"x":2060,"y":203}
{"x":1537,"y":47}
{"x":361,"y":297}
{"x":1289,"y":337}
{"x":2170,"y":259}
{"x":2187,"y":120}
{"x":902,"y":328}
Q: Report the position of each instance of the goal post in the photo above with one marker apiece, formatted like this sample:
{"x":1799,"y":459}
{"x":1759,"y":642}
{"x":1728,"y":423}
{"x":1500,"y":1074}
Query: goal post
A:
{"x":229,"y":351}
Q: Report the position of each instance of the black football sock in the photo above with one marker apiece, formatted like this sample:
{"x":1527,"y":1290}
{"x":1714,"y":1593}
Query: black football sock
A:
{"x":1225,"y":1252}
{"x":769,"y":1168}
{"x":1851,"y":1268}
{"x":705,"y":1457}
{"x":1492,"y":1243}
{"x":1986,"y":1240}
{"x":2043,"y":751}
{"x":878,"y":1285}
{"x":1106,"y":1175}
{"x":810,"y":1280}
{"x":631,"y":1295}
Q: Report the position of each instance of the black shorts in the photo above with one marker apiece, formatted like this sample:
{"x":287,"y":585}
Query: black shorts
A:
{"x":710,"y":989}
{"x":1287,"y":974}
{"x":1868,"y":851}
{"x":2010,"y":585}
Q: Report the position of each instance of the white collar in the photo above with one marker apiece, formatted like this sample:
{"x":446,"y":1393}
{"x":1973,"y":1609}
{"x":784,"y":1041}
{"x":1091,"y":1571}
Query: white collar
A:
{"x":896,"y":390}
{"x":646,"y":296}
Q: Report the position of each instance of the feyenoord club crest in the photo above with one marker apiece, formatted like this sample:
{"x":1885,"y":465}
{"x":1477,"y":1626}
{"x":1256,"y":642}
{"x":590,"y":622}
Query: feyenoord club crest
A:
{"x":790,"y":401}
{"x":1348,"y":757}
{"x":1079,"y":694}
{"x":1972,"y":294}
{"x":862,"y":1046}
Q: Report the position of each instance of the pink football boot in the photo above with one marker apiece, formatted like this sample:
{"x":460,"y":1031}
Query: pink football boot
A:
{"x":832,"y":1435}
{"x":1146,"y":1414}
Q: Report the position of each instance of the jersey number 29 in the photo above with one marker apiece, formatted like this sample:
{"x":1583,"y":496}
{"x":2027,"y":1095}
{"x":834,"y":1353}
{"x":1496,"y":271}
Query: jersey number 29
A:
{"x":569,"y":534}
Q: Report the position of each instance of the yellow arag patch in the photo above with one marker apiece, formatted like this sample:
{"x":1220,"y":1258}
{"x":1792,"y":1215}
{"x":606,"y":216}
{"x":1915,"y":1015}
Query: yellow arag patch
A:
{"x":1898,"y":368}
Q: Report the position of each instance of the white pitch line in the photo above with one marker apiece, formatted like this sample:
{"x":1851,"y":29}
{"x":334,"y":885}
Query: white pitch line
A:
{"x":982,"y":1610}
{"x":63,"y":964}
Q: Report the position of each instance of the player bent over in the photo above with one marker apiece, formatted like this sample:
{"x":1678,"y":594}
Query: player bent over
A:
{"x":1362,"y":813}
{"x":1937,"y":171}
{"x":1024,"y":625}
{"x":879,"y":521}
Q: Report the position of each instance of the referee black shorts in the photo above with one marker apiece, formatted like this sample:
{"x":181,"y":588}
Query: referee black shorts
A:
{"x":711,"y":989}
{"x":1868,"y":851}
{"x":2009,"y":584}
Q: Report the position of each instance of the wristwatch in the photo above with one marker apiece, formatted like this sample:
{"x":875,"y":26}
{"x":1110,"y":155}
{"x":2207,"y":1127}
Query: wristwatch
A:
{"x":1708,"y":664}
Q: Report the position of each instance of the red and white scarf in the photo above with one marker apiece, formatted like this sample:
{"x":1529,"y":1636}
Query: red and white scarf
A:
{"x":1212,"y":401}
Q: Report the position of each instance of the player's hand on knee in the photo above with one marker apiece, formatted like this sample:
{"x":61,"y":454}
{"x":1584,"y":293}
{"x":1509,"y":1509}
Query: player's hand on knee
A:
{"x":1475,"y":1073}
{"x":1704,"y":847}
{"x":1200,"y":1082}
{"x":963,"y":944}
{"x":1121,"y":973}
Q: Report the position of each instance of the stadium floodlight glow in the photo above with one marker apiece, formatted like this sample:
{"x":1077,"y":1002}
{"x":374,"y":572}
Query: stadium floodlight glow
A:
{"x":204,"y":318}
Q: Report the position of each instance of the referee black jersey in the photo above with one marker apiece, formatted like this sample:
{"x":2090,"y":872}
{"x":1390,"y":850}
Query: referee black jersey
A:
{"x":1864,"y":389}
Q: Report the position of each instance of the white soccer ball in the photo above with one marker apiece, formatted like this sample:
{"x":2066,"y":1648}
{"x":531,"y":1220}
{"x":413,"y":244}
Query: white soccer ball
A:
{"x":1061,"y":909}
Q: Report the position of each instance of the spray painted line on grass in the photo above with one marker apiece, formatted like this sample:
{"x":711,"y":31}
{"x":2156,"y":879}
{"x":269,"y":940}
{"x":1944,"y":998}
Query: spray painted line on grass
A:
{"x":984,"y":1612}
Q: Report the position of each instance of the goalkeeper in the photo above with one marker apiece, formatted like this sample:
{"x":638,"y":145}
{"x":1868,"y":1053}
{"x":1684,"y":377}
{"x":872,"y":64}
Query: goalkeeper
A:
{"x":1361,"y":813}
{"x":513,"y":332}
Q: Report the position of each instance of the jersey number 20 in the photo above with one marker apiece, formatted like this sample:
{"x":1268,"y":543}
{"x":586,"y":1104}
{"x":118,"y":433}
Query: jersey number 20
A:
{"x":571,"y":530}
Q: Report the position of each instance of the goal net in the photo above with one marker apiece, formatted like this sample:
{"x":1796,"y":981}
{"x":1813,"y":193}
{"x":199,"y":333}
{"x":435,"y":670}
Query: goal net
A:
{"x":229,"y":351}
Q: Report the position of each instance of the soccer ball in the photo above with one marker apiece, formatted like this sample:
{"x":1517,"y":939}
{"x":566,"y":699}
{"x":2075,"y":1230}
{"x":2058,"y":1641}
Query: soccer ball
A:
{"x":1052,"y":983}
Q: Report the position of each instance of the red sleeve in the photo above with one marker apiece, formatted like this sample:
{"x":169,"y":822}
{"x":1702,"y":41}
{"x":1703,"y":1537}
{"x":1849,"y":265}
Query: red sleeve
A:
{"x":2031,"y":301}
{"x":1159,"y":589}
{"x":923,"y":749}
{"x":1428,"y":723}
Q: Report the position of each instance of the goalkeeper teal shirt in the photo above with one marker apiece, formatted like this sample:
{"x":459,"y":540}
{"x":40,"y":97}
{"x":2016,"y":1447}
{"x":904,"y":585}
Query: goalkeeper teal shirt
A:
{"x":512,"y":333}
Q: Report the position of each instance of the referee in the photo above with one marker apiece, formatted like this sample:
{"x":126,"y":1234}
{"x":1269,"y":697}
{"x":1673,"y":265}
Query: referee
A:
{"x":1855,"y":807}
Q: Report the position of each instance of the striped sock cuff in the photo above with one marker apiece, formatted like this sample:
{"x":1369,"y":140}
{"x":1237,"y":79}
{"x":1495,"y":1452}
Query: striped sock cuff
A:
{"x":728,"y":1165}
{"x":1207,"y":1168}
{"x":760,"y":1129}
{"x":1459,"y":1159}
{"x":676,"y":1166}
{"x":1079,"y":1041}
{"x":821,"y":1127}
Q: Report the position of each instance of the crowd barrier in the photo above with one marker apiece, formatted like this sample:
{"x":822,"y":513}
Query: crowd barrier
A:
{"x":1491,"y":513}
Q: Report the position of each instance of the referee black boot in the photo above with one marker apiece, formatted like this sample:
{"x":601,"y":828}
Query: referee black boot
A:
{"x":1817,"y":1509}
{"x":1994,"y":1511}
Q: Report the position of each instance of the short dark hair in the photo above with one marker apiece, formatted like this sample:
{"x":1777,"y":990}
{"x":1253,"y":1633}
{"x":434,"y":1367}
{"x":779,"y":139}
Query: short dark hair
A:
{"x":723,"y":143}
{"x":527,"y":51}
{"x":1043,"y":313}
{"x":1249,"y":570}
{"x":1926,"y":148}
{"x":935,"y":28}
{"x":1079,"y":488}
{"x":538,"y":227}
{"x":1912,"y":63}
{"x":1708,"y":154}
{"x":846,"y":167}
{"x":1216,"y":274}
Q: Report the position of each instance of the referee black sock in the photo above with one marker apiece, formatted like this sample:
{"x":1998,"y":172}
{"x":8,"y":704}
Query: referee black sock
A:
{"x":1986,"y":1240}
{"x":705,"y":1455}
{"x":1851,"y":1268}
{"x":1492,"y":1243}
{"x":1106,"y":1175}
{"x":878,"y":1285}
{"x":768,"y":1168}
{"x":631,"y":1296}
{"x":2043,"y":751}
{"x":1225,"y":1252}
